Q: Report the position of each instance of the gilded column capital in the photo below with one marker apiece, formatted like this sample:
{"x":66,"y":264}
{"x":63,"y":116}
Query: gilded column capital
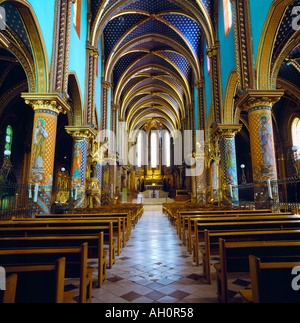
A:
{"x":227,"y":130}
{"x":80,"y":132}
{"x":47,"y":102}
{"x":253,"y":99}
{"x":107,"y":85}
{"x":213,"y":50}
{"x":94,"y":52}
{"x":199,"y":84}
{"x":115,"y":107}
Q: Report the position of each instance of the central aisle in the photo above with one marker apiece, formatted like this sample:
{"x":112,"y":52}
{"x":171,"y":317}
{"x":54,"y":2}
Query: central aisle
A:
{"x":154,"y":266}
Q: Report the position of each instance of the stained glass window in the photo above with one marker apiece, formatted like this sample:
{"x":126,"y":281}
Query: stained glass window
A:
{"x":139,"y":150}
{"x":8,"y":142}
{"x":227,"y":16}
{"x":154,"y":150}
{"x":77,"y":16}
{"x":296,"y":134}
{"x":168,"y":149}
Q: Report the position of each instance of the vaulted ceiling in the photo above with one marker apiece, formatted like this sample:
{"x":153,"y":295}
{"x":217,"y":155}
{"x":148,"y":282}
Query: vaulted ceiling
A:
{"x":152,"y":54}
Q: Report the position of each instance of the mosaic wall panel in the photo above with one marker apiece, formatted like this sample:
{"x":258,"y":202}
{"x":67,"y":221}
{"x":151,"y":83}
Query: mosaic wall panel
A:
{"x":263,"y":156}
{"x":229,"y":169}
{"x":42,"y":157}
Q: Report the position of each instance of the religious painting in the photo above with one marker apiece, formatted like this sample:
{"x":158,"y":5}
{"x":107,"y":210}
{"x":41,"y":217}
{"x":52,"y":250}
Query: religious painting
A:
{"x":40,"y":136}
{"x":266,"y":142}
{"x":230,"y":163}
{"x":105,"y":178}
{"x":77,"y":158}
{"x":214,"y":180}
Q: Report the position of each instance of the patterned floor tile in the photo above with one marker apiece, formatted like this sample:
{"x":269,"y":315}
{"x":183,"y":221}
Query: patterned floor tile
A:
{"x":155,"y":267}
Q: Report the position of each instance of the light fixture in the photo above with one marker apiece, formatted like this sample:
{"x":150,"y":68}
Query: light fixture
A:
{"x":244,"y":180}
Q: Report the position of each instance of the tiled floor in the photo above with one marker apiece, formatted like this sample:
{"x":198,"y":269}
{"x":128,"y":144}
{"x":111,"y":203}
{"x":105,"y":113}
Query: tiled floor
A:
{"x":154,"y":267}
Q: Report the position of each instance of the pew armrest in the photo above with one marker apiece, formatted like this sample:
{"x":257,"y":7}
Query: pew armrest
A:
{"x":68,"y":297}
{"x":246,"y":295}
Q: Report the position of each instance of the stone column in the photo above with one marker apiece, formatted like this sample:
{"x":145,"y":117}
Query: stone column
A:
{"x":46,"y":110}
{"x":113,"y":145}
{"x":216,"y":83}
{"x":259,"y":104}
{"x":201,"y":178}
{"x":92,"y":58}
{"x":104,"y":168}
{"x":81,"y":137}
{"x":228,"y":166}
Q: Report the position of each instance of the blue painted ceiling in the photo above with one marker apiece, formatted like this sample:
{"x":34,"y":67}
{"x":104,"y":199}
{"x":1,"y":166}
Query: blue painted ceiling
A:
{"x":16,"y":27}
{"x":287,"y":71}
{"x":143,"y":39}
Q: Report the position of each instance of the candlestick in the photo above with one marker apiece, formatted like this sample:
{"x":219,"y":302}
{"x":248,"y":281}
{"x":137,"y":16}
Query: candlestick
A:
{"x":269,"y":188}
{"x":36,"y":190}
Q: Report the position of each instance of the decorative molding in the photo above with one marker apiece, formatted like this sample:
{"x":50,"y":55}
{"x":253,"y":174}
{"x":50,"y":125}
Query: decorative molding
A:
{"x":227,"y":130}
{"x":258,"y":98}
{"x":243,"y":44}
{"x":48,"y":102}
{"x":80,"y":132}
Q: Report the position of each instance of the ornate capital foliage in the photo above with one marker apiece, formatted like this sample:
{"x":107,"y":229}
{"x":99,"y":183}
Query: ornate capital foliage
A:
{"x":80,"y":132}
{"x":48,"y":102}
{"x":252,"y":99}
{"x":226,"y":130}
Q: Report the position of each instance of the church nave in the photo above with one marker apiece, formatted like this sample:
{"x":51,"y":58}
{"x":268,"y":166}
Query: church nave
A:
{"x":155,"y":267}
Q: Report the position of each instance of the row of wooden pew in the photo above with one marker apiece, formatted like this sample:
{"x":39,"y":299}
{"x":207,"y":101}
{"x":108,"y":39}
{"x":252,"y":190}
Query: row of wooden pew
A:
{"x":238,"y":238}
{"x":38,"y":254}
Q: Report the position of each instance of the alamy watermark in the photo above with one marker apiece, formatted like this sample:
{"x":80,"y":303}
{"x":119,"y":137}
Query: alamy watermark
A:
{"x":296,"y":280}
{"x":135,"y":148}
{"x":2,"y":278}
{"x":296,"y":20}
{"x":2,"y":18}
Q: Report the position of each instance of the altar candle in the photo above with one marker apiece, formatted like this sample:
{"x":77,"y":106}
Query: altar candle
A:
{"x":30,"y":193}
{"x":231,"y":193}
{"x":75,"y":194}
{"x":36,"y":190}
{"x":269,"y":188}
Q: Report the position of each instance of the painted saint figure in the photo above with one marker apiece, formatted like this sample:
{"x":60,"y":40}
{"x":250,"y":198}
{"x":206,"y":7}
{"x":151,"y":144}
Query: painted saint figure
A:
{"x":230,"y":163}
{"x":39,"y":146}
{"x":77,"y":164}
{"x":265,"y":138}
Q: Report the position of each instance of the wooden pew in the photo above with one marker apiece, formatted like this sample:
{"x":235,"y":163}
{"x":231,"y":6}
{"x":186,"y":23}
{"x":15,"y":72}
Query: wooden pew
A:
{"x":27,"y":231}
{"x":187,"y":220}
{"x":37,"y":283}
{"x":181,"y":214}
{"x":95,"y":247}
{"x":238,"y":226}
{"x":234,"y":257}
{"x":126,"y":221}
{"x":69,"y":222}
{"x":8,"y":296}
{"x":271,"y":282}
{"x":211,"y":242}
{"x":75,"y":264}
{"x":188,"y":237}
{"x":135,"y":210}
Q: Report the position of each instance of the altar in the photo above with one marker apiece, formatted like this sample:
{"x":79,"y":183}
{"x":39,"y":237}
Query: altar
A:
{"x":153,"y":194}
{"x":154,"y":187}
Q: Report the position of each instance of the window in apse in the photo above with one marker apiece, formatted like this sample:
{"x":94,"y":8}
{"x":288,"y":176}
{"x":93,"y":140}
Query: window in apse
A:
{"x":168,"y":149}
{"x":296,"y":135}
{"x":154,"y":149}
{"x":228,"y":19}
{"x":8,"y":142}
{"x":139,"y":150}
